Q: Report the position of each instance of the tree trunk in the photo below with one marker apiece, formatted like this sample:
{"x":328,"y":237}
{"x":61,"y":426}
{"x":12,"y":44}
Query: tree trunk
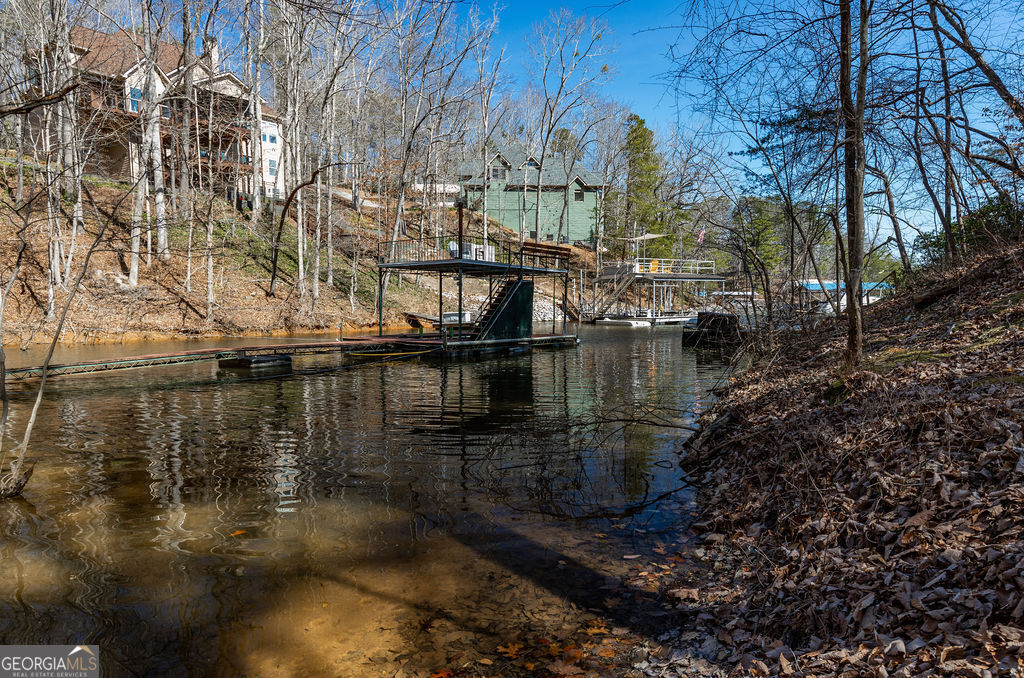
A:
{"x":853,"y":168}
{"x":256,"y":105}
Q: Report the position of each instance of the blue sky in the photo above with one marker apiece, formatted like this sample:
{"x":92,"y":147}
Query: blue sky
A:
{"x":639,"y":58}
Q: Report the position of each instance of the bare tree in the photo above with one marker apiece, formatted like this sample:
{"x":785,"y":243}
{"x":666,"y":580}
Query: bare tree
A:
{"x":567,"y":53}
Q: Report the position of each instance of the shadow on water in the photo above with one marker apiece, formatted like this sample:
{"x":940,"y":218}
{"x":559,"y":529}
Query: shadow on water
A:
{"x":350,"y":522}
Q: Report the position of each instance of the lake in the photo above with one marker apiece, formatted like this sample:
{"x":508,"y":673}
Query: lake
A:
{"x":350,"y":519}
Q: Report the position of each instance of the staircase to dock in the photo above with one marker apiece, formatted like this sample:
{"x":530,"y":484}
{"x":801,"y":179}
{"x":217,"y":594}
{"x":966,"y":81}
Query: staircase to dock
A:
{"x":491,"y":309}
{"x":624,"y":277}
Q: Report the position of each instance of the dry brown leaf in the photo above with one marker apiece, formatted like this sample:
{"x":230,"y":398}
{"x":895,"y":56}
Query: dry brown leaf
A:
{"x":560,"y":668}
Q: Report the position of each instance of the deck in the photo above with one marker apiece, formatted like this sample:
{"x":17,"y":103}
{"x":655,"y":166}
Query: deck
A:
{"x":473,"y":256}
{"x":663,"y":270}
{"x":407,"y":345}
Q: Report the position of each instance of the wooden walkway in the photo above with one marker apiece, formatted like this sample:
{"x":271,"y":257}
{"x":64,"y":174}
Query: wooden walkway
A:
{"x":364,"y":346}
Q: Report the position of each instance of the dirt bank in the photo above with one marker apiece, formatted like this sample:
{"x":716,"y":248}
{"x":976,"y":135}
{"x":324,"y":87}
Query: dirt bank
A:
{"x":171,"y":299}
{"x":870,"y":522}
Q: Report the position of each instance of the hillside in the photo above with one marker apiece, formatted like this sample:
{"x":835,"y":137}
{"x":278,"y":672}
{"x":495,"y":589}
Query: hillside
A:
{"x":870,"y":522}
{"x":171,"y":297}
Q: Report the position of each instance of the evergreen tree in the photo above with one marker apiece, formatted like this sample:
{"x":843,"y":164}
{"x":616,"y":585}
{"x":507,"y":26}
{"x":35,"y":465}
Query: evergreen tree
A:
{"x":643,"y":176}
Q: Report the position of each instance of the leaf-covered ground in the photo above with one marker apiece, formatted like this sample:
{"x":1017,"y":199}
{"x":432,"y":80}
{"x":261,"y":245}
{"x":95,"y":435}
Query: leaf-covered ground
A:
{"x":870,"y":522}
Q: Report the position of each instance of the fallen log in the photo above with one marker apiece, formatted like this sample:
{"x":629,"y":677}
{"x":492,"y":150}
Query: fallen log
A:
{"x":926,"y":297}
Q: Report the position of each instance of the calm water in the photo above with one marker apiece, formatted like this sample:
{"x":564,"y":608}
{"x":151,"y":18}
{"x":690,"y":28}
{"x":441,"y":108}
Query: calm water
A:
{"x":354,"y":520}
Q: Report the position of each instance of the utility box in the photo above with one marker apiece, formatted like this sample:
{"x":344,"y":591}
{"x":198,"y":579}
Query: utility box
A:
{"x":482,"y":252}
{"x":471,"y":251}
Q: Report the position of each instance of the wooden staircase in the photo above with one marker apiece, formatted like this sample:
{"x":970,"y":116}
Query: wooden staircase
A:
{"x":571,"y":310}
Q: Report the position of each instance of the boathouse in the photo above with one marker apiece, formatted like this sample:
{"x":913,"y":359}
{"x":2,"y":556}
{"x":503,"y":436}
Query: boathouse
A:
{"x":513,"y":270}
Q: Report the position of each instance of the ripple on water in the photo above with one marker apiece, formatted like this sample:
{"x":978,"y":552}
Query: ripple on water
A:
{"x":187,"y":519}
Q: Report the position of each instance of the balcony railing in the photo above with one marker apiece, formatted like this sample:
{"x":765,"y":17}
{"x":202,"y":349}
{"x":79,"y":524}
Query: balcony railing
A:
{"x":678,"y":266}
{"x":222,"y":121}
{"x":474,"y":248}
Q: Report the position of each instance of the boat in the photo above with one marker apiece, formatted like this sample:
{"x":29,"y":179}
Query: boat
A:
{"x":646,"y":321}
{"x":626,"y":322}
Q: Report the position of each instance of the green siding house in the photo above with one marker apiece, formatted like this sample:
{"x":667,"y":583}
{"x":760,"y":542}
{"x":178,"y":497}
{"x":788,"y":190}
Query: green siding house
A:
{"x":511,"y":187}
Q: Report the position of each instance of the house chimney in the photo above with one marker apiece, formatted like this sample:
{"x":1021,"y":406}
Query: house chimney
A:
{"x":212,"y":52}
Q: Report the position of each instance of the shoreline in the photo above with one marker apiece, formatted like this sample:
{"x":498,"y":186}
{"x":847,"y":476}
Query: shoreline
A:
{"x":866,"y":522}
{"x":12,"y":340}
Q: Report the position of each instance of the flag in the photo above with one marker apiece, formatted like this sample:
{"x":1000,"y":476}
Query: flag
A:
{"x":700,"y":236}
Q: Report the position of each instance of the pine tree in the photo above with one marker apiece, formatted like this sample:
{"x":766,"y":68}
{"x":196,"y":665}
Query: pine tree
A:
{"x":643,"y":176}
{"x":643,"y":169}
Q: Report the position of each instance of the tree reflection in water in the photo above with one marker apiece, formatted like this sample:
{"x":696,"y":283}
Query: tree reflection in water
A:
{"x":190,"y":522}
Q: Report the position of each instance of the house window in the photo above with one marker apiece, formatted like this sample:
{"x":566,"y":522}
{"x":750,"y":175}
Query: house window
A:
{"x":272,"y":167}
{"x":135,"y":100}
{"x":578,"y":195}
{"x":273,"y":139}
{"x":532,"y":163}
{"x":264,"y":137}
{"x":549,"y":237}
{"x":498,"y":173}
{"x":165,"y":111}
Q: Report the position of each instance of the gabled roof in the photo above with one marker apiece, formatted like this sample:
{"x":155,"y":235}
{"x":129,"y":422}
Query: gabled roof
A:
{"x":554,"y":174}
{"x":114,"y":54}
{"x":117,"y":54}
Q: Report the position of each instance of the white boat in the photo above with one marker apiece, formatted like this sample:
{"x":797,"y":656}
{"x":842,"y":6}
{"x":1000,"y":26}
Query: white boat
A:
{"x":627,"y":322}
{"x":646,"y":321}
{"x":676,"y":320}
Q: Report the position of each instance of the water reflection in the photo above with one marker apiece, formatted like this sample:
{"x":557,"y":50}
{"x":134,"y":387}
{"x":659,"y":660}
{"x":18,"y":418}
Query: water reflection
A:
{"x":348,"y":521}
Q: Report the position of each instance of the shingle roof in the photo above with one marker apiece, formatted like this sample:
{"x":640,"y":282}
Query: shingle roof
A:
{"x":114,"y":54}
{"x":554,"y":173}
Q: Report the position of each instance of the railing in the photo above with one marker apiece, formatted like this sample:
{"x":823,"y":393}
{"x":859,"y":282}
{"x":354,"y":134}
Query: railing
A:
{"x":115,"y":102}
{"x":688,"y":266}
{"x":474,"y":248}
{"x":623,"y":279}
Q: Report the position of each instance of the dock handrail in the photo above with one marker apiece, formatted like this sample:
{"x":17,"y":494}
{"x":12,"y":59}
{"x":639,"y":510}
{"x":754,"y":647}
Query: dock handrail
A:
{"x":690,"y":266}
{"x":474,"y":248}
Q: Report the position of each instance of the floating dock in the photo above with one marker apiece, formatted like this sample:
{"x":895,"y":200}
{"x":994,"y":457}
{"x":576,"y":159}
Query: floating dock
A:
{"x":279,"y":355}
{"x":652,"y":289}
